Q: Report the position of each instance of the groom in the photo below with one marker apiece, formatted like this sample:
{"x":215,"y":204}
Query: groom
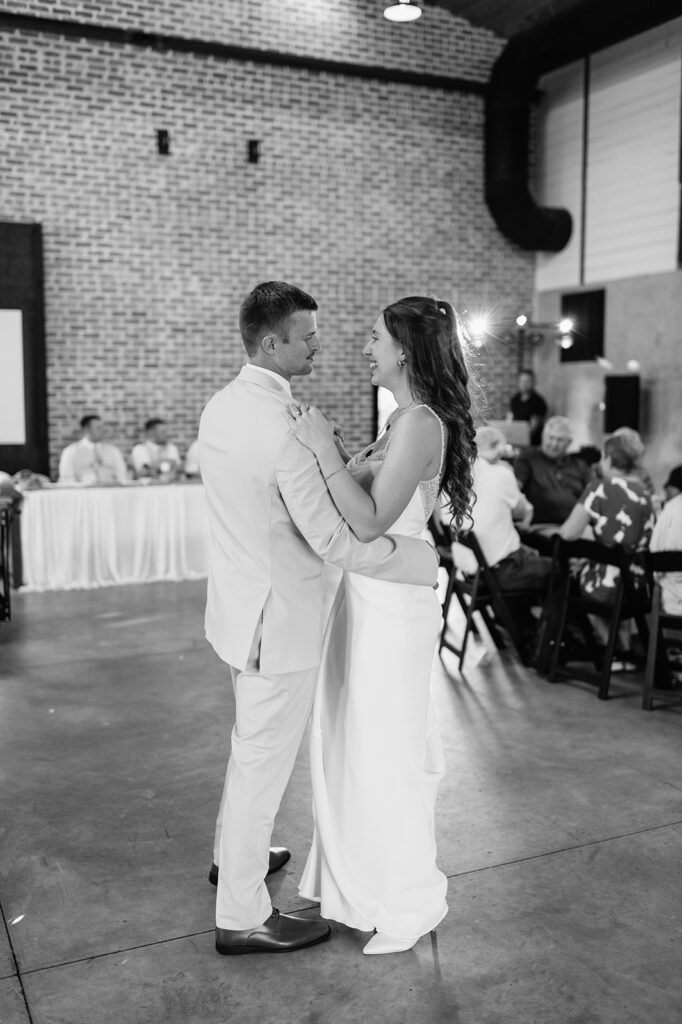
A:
{"x":272,"y":524}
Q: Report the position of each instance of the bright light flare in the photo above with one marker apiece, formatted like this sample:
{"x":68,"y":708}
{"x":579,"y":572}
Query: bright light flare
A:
{"x":478,"y":328}
{"x":521,"y":320}
{"x":566,"y":341}
{"x":633,"y":365}
{"x":565,"y":327}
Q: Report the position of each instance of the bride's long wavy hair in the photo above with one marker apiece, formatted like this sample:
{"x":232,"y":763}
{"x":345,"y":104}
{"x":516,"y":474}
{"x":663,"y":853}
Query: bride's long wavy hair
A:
{"x":429,"y":332}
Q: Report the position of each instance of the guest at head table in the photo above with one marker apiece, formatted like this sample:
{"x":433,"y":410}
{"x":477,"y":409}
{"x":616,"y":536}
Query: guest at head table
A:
{"x":550,"y":477}
{"x":155,"y":456}
{"x":192,"y":461}
{"x":667,"y":536}
{"x":8,"y":492}
{"x":499,"y":505}
{"x":527,"y":404}
{"x":92,"y":460}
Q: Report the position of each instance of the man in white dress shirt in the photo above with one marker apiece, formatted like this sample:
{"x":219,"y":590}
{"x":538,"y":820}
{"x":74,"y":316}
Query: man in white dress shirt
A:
{"x":156,"y":456}
{"x":499,"y":506}
{"x":272,"y":523}
{"x":92,"y":460}
{"x":667,"y":536}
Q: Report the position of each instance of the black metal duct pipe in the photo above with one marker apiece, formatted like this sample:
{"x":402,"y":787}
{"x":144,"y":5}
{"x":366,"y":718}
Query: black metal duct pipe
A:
{"x":591,"y":26}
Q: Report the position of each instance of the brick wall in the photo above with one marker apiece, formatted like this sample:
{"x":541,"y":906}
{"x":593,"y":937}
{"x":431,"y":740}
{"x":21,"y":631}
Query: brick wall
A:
{"x":346,"y":30}
{"x":364,"y":191}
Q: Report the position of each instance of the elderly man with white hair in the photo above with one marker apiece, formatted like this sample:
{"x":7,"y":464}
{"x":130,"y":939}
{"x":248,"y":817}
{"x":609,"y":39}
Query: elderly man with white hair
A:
{"x":552,"y":479}
{"x":499,"y":504}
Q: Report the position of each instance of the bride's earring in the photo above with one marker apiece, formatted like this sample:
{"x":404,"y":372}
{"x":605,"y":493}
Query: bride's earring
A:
{"x":402,"y":360}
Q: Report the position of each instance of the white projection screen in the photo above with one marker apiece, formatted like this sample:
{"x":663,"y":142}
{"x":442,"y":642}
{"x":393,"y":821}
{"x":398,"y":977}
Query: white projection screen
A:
{"x":12,"y":404}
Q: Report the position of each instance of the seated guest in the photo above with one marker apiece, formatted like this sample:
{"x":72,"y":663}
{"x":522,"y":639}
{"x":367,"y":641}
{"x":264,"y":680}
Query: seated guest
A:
{"x":552,"y":479}
{"x":667,"y":536}
{"x":92,"y":460}
{"x":635,"y":442}
{"x":7,"y":488}
{"x":528,"y":405}
{"x":9,"y":494}
{"x":155,"y":456}
{"x":590,"y":454}
{"x":499,"y":504}
{"x":192,"y":460}
{"x":673,"y":485}
{"x":619,"y":509}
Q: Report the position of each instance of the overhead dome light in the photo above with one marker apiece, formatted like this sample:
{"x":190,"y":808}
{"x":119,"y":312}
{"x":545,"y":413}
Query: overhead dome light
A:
{"x":403,"y":10}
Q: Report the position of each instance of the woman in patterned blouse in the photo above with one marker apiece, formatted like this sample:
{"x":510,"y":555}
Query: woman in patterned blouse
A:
{"x":619,"y":510}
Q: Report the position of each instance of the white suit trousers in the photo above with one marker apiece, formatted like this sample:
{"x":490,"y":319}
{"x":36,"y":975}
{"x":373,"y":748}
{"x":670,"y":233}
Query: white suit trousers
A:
{"x":272,"y":715}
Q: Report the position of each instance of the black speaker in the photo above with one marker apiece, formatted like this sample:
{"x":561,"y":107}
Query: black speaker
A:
{"x":621,"y":402}
{"x":586,"y":310}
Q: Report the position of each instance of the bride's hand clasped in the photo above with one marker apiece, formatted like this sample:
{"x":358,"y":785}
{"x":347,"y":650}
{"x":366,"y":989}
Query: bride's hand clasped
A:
{"x":311,"y":427}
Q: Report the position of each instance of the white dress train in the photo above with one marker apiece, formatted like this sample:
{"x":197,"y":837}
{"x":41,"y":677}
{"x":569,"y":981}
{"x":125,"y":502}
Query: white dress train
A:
{"x":375,"y":750}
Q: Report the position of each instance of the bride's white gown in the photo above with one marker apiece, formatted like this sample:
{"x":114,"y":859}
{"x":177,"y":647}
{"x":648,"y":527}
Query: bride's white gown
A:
{"x":375,"y":750}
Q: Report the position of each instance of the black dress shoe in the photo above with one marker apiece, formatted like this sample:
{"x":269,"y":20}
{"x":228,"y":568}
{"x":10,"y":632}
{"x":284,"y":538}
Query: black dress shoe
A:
{"x":279,"y":855}
{"x":281,"y":933}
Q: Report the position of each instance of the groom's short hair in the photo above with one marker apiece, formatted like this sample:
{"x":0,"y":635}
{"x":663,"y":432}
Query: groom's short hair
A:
{"x":266,"y":307}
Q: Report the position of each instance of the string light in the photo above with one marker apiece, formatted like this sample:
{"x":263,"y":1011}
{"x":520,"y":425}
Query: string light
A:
{"x":403,"y":10}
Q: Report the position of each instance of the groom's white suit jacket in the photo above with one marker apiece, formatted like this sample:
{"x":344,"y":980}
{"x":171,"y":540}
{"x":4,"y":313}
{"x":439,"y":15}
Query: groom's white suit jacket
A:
{"x":272,"y":525}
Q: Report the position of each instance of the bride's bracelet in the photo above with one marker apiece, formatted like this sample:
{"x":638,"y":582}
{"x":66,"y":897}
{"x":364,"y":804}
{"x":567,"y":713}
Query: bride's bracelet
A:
{"x":334,"y":472}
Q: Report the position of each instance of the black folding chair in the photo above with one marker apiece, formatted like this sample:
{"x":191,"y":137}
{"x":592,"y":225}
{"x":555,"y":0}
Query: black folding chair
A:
{"x":6,"y":516}
{"x":628,"y":602}
{"x":482,"y":593}
{"x":658,"y":670}
{"x":548,"y":546}
{"x":443,"y":538}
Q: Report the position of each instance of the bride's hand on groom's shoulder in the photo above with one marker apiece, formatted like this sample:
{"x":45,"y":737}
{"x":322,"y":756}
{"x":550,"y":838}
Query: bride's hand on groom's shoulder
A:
{"x":311,"y":427}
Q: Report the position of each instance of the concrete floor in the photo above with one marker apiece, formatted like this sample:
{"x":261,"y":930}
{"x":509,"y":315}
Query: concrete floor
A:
{"x":559,"y":824}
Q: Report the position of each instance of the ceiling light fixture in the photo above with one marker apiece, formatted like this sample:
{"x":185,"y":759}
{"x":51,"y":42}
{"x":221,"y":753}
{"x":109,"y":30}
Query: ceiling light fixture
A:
{"x":403,"y":10}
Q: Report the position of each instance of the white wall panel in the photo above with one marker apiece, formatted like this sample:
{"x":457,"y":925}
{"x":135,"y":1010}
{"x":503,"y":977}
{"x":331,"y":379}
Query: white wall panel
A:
{"x":12,"y":405}
{"x":632,"y":214}
{"x":559,"y":171}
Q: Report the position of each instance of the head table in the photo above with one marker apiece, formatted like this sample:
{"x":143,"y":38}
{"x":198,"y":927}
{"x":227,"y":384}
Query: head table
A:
{"x":85,"y":537}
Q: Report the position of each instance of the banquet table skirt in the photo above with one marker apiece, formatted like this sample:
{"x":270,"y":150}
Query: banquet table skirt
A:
{"x":100,"y":536}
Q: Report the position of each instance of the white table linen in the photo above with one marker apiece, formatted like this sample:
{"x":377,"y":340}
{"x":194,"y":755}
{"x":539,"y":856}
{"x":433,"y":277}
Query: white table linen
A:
{"x":90,"y":537}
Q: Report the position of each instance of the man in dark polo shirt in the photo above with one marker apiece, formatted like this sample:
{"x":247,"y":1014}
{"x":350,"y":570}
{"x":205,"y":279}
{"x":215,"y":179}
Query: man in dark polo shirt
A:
{"x":550,"y":478}
{"x":528,"y":405}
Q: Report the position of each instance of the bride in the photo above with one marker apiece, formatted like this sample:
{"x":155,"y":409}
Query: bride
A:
{"x":375,"y":749}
